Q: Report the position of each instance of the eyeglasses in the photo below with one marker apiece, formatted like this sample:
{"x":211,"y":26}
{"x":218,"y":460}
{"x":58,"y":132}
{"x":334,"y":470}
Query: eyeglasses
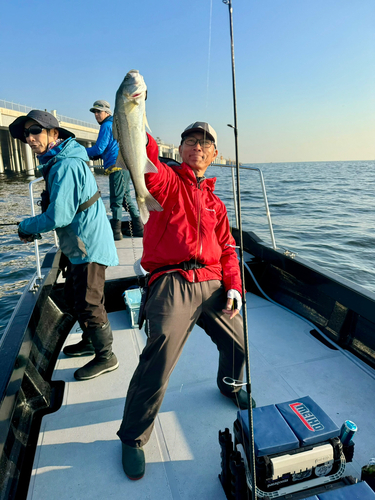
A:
{"x":192,"y":141}
{"x":34,"y":129}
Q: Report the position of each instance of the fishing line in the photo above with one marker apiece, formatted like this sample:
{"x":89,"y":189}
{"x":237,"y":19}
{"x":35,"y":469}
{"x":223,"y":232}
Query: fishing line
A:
{"x":209,"y":56}
{"x":246,"y":338}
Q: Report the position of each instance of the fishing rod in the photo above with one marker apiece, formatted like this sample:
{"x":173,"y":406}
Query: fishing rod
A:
{"x":10,"y":224}
{"x":244,"y":308}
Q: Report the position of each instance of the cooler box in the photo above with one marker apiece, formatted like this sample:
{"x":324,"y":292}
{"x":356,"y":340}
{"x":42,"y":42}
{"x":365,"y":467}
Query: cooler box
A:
{"x":132,"y":298}
{"x":294,"y":442}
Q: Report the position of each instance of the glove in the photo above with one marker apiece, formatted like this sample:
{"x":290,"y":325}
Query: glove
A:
{"x":234,"y":294}
{"x":110,"y":170}
{"x":28,"y":237}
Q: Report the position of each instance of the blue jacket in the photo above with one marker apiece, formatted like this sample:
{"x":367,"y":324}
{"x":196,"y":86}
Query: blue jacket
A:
{"x":86,"y":236}
{"x":106,"y":146}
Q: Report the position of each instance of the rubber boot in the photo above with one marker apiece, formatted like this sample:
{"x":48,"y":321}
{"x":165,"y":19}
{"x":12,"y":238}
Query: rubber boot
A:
{"x":137,"y":228}
{"x":116,"y":228}
{"x":105,"y":360}
{"x":133,"y":462}
{"x":83,"y":348}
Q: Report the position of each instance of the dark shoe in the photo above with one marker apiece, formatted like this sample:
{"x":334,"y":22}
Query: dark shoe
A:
{"x":133,"y":462}
{"x":83,"y":348}
{"x":116,"y":229}
{"x":240,"y":399}
{"x":137,"y":228}
{"x":96,"y":367}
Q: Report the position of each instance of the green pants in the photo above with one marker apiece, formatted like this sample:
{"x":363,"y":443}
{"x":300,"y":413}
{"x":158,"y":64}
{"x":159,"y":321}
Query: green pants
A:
{"x":173,"y":308}
{"x":119,"y":195}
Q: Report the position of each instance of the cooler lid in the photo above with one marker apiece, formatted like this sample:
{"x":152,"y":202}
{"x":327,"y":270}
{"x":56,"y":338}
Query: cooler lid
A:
{"x":271,"y":433}
{"x":308,"y":421}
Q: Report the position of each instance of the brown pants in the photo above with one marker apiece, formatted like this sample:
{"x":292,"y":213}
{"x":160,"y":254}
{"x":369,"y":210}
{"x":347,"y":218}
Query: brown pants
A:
{"x":84,"y":292}
{"x":173,"y":308}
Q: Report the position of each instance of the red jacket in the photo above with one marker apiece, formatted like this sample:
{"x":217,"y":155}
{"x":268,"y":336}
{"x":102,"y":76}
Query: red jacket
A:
{"x":193,"y":225}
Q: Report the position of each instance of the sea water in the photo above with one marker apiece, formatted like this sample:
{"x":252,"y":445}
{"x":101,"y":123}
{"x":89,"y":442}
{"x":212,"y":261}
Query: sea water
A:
{"x":322,"y":211}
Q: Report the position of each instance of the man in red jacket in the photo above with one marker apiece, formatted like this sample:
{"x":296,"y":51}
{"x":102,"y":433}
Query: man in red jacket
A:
{"x":194,"y":279}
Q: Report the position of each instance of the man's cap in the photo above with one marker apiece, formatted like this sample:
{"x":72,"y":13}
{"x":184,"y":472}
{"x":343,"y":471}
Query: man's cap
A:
{"x":101,"y":106}
{"x":201,"y":127}
{"x":43,"y":118}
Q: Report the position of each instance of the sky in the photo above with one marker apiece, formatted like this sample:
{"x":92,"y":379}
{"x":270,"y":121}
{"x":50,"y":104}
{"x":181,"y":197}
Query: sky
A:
{"x":305,"y":70}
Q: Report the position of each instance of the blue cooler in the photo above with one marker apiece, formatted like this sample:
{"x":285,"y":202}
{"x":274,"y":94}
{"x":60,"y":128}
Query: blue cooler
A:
{"x":294,"y":442}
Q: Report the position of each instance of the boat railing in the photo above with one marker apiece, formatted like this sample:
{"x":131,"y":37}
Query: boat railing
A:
{"x":34,"y":285}
{"x":232,"y":167}
{"x":264,"y":192}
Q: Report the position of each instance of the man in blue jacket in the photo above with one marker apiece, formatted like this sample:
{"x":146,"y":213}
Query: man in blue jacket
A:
{"x":72,"y":206}
{"x":106,"y":147}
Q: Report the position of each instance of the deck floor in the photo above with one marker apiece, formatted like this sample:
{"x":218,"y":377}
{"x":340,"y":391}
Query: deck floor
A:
{"x":79,"y":454}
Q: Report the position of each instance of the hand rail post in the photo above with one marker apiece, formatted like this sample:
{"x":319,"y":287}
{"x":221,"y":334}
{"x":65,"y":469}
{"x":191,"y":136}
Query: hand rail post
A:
{"x":38,"y":269}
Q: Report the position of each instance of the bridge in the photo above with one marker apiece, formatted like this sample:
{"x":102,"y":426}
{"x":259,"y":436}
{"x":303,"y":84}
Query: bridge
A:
{"x":15,"y":156}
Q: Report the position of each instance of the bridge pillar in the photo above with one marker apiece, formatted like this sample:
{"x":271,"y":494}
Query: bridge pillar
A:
{"x":16,"y":156}
{"x":11,"y":155}
{"x":91,"y":163}
{"x":28,"y":157}
{"x":1,"y":160}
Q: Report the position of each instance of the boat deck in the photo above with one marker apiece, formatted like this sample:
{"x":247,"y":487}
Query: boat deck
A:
{"x":79,"y":454}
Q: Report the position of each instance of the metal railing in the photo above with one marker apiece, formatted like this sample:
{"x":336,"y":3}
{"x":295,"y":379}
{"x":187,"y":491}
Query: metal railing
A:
{"x":39,"y":276}
{"x":256,"y":169}
{"x":268,"y":213}
{"x":61,"y":118}
{"x":66,"y":119}
{"x":15,"y":107}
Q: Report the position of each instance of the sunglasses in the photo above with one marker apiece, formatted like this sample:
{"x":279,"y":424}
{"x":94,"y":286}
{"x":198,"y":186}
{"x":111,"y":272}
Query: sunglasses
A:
{"x":34,"y":129}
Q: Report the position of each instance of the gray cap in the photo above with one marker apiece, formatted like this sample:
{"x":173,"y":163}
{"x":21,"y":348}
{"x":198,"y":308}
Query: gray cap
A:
{"x":101,"y":106}
{"x":201,"y":127}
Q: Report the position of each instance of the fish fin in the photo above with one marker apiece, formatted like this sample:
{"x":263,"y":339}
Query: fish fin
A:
{"x":148,"y":205}
{"x":120,"y":162}
{"x":150,"y":167}
{"x":146,"y":122}
{"x":152,"y":204}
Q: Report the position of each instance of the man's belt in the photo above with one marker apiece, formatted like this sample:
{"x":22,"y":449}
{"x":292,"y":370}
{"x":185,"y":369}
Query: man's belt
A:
{"x":187,"y":265}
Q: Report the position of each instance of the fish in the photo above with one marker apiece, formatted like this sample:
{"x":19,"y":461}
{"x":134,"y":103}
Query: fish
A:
{"x":129,"y":130}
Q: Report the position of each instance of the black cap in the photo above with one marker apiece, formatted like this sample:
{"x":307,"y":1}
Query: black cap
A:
{"x":45,"y":119}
